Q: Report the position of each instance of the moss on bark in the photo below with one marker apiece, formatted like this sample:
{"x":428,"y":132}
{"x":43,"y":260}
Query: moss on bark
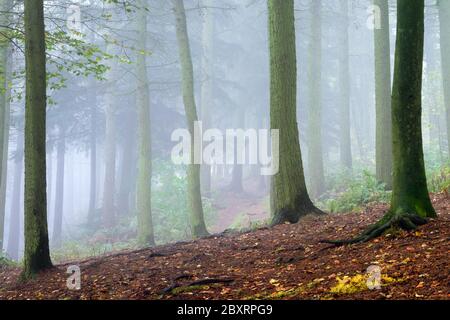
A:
{"x":289,"y":196}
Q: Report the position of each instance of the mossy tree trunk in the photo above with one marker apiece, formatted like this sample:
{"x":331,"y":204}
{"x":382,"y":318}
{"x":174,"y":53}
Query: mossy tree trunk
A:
{"x":410,"y":205}
{"x":344,"y":89}
{"x":315,"y":159}
{"x":444,"y":21}
{"x":410,"y":193}
{"x":37,"y":253}
{"x":144,"y":180}
{"x":197,"y":220}
{"x":289,"y":196}
{"x":383,"y":96}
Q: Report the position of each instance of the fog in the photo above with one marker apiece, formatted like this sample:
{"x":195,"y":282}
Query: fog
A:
{"x":97,"y":139}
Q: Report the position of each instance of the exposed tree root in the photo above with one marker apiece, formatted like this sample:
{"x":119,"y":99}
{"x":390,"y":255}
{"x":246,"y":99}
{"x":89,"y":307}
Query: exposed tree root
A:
{"x":202,"y":282}
{"x":291,"y":216}
{"x":403,"y":221}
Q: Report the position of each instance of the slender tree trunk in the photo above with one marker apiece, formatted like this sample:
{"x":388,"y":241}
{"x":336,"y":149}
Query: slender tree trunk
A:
{"x":197,"y":220}
{"x":109,"y":183}
{"x":49,"y":162}
{"x":444,"y":20}
{"x":207,"y":95}
{"x":344,"y":92}
{"x":383,"y":97}
{"x":144,"y":180}
{"x":37,"y":254}
{"x":289,"y":196}
{"x":127,"y":166}
{"x":59,"y":196}
{"x":14,"y":224}
{"x":315,"y":159}
{"x":5,"y":92}
{"x":93,"y":166}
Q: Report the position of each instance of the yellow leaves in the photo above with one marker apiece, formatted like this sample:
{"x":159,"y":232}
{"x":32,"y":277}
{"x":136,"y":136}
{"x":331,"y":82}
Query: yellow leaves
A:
{"x":347,"y":285}
{"x":274,"y":282}
{"x":358,"y":283}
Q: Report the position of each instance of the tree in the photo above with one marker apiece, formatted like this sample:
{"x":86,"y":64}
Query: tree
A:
{"x":109,"y":186}
{"x":207,"y":98}
{"x":37,"y":253}
{"x":59,"y":194}
{"x":144,"y":180}
{"x":289,"y":196}
{"x":444,"y":22}
{"x":383,"y":96}
{"x":197,"y":220}
{"x":93,"y":162}
{"x":5,"y":92}
{"x":344,"y":90}
{"x":410,"y":205}
{"x":14,"y":224}
{"x":315,"y":159}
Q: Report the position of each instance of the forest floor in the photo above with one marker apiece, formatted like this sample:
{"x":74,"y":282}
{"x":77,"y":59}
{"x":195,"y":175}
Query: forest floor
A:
{"x":286,"y":262}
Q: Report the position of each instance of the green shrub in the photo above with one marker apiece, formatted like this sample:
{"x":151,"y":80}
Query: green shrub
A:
{"x":350,"y":193}
{"x":439,"y":180}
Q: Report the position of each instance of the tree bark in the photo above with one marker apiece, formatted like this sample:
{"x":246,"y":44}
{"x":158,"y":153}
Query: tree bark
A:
{"x":344,"y":82}
{"x":109,"y":183}
{"x":5,"y":93}
{"x":37,"y":254}
{"x":315,"y":159}
{"x":207,"y":95}
{"x":14,"y":224}
{"x":444,"y":21}
{"x":93,"y":167}
{"x":59,"y":195}
{"x":410,"y":193}
{"x":289,"y":196}
{"x":144,"y":180}
{"x":410,"y":205}
{"x":383,"y":97}
{"x":198,"y":226}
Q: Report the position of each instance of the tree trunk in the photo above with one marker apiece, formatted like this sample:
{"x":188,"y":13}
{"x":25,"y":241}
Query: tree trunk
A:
{"x":59,"y":195}
{"x":410,"y":193}
{"x":315,"y":159}
{"x":127,"y":165}
{"x":93,"y":166}
{"x":207,"y":96}
{"x":5,"y":92}
{"x":197,"y":220}
{"x":344,"y":92}
{"x":444,"y":21}
{"x":289,"y":196}
{"x":411,"y":205}
{"x":109,"y":183}
{"x":144,"y":180}
{"x":37,"y":254}
{"x":383,"y":97}
{"x":14,"y":224}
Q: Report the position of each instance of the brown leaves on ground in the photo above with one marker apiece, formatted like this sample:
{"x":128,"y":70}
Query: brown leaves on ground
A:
{"x":286,"y":262}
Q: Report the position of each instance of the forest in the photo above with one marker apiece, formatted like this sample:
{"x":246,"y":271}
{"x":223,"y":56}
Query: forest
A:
{"x":224,"y":150}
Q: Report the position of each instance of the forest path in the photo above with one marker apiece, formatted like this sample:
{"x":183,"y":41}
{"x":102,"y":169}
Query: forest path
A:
{"x":286,"y":262}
